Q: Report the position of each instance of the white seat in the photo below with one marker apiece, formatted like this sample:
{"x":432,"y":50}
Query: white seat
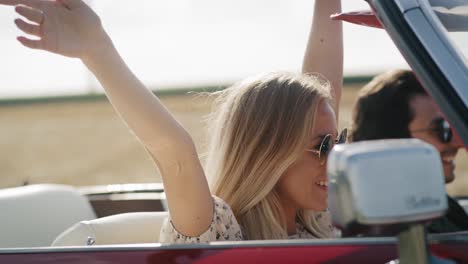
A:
{"x":128,"y":228}
{"x":464,"y":203}
{"x":32,"y":216}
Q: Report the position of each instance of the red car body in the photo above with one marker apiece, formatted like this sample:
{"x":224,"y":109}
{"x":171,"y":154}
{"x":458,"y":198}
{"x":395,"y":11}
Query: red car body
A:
{"x":338,"y":251}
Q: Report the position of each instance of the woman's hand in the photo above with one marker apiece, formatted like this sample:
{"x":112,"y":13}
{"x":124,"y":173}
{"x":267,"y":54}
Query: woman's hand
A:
{"x":66,"y":27}
{"x":71,"y":28}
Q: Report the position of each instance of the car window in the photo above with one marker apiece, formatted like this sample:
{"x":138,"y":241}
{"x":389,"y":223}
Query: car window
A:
{"x":432,"y":36}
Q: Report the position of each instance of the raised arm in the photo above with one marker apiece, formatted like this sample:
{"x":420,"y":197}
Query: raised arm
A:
{"x":324,"y":52}
{"x":71,"y":28}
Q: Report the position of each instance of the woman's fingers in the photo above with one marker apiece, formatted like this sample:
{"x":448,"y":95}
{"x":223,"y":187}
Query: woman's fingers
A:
{"x":31,"y":3}
{"x":28,"y":28}
{"x":72,"y":4}
{"x":30,"y":43}
{"x":31,"y":14}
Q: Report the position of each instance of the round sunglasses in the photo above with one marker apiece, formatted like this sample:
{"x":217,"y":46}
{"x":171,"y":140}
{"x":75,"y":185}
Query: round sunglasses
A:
{"x":441,"y":128}
{"x":327,"y":145}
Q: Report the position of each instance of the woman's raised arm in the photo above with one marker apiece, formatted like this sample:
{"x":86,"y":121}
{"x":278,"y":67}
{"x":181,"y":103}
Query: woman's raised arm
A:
{"x":71,"y":28}
{"x":324,"y":52}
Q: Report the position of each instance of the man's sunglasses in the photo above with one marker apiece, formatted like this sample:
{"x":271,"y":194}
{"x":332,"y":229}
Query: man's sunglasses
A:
{"x":441,"y":128}
{"x":328,"y":143}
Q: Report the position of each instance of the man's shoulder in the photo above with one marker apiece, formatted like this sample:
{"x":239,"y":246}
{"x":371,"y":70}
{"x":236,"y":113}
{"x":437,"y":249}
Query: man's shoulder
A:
{"x":456,"y":214}
{"x":455,"y":219}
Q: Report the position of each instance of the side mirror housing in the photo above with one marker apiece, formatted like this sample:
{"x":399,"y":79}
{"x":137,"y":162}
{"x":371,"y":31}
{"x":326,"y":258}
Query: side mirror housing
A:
{"x":385,"y":182}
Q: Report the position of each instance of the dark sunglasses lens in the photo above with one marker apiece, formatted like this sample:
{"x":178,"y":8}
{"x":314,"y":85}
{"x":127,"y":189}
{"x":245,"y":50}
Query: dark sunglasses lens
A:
{"x":444,"y":131}
{"x":342,"y":137}
{"x":325,"y":146}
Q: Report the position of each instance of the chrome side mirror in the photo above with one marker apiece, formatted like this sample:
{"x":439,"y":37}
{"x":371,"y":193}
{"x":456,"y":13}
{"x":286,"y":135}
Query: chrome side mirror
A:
{"x":388,"y":183}
{"x":385,"y":182}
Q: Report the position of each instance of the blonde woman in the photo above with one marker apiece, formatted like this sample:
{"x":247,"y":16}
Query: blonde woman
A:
{"x":271,"y":133}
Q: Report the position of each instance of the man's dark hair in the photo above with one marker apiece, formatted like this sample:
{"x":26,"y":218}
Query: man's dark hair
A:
{"x":382,"y":110}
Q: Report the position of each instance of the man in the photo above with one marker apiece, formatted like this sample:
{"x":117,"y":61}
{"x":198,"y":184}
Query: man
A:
{"x":395,"y":105}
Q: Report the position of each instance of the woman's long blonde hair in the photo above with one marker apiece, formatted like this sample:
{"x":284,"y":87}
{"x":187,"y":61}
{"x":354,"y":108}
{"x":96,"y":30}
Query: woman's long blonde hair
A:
{"x":259,"y":130}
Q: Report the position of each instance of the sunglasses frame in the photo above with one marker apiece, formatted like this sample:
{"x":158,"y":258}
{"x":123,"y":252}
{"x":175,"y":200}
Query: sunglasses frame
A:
{"x":326,"y":145}
{"x":443,"y":129}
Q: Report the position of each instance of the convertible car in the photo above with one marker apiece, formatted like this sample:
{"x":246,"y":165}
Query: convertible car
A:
{"x":120,"y":223}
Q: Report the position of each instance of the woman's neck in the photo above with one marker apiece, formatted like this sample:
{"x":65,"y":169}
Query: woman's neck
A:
{"x":290,"y":216}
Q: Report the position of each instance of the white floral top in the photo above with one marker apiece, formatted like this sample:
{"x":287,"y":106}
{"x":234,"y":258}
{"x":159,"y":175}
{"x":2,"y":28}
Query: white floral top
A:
{"x":225,"y":227}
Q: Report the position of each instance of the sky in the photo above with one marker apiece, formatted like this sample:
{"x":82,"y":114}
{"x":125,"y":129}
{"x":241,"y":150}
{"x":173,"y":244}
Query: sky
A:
{"x":183,"y":43}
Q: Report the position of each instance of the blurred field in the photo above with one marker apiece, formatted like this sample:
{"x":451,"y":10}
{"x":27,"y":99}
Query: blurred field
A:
{"x":85,"y":143}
